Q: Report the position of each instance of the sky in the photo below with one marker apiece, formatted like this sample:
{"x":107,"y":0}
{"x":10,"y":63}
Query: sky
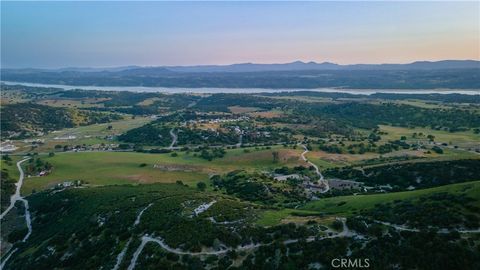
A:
{"x":107,"y":34}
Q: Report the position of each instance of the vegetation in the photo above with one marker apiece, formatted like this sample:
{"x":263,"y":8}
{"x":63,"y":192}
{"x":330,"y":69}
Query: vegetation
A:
{"x":7,"y":180}
{"x":413,"y":174}
{"x":222,"y":181}
{"x":23,"y":120}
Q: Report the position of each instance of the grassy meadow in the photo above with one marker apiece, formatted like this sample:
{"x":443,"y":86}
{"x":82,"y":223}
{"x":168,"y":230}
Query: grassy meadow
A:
{"x":462,"y":139}
{"x":108,"y":168}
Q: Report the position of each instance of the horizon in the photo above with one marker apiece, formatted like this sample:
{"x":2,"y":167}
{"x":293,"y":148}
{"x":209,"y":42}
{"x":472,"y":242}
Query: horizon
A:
{"x":52,"y":35}
{"x":243,"y":63}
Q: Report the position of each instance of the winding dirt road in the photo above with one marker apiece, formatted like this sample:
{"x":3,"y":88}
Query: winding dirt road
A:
{"x":121,"y":255}
{"x":408,"y":229}
{"x":174,"y":139}
{"x":16,"y":196}
{"x":317,"y":171}
{"x":13,"y":199}
{"x":146,"y":239}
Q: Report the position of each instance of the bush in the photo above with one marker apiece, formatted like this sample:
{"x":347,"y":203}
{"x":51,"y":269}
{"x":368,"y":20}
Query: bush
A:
{"x":201,"y":186}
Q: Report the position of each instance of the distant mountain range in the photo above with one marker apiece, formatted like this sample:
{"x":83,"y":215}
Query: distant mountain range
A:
{"x":251,"y":67}
{"x":460,"y":74}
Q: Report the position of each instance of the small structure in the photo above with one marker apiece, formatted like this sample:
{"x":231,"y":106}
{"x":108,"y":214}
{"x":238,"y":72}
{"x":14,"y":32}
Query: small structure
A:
{"x":7,"y":148}
{"x":344,"y":184}
{"x":282,"y":177}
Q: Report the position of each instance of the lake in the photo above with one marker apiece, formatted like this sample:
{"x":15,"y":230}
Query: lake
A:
{"x":249,"y":90}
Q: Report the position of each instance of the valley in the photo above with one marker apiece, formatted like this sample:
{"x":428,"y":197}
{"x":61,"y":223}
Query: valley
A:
{"x":126,"y":180}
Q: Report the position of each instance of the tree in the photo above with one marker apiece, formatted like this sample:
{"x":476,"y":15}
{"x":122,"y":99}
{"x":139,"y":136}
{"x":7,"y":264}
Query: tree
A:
{"x":437,"y":150}
{"x":337,"y":225}
{"x":201,"y":186}
{"x":275,"y":156}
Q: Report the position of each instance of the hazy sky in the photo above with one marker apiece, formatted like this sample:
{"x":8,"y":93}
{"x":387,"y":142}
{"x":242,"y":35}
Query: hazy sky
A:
{"x":101,"y":34}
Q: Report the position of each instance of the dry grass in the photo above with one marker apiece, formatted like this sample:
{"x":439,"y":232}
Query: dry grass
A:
{"x":240,"y":110}
{"x":84,"y":103}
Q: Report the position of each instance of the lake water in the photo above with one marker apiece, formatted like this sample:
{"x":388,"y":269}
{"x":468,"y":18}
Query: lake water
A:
{"x":249,"y":90}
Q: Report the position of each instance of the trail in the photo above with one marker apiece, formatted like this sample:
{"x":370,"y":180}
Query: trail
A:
{"x":139,"y":216}
{"x":161,"y":243}
{"x":13,"y":199}
{"x":203,"y":207}
{"x":397,"y":227}
{"x":6,"y":259}
{"x":317,"y":171}
{"x":405,"y":228}
{"x":121,"y":255}
{"x":240,"y":139}
{"x":174,"y":139}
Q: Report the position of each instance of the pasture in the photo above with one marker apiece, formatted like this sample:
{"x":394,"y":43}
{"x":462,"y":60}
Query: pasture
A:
{"x":109,"y":168}
{"x":464,"y":139}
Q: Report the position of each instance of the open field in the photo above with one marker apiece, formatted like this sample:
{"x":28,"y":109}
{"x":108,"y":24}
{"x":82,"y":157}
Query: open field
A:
{"x":464,"y":139}
{"x":438,"y":105}
{"x":106,"y":168}
{"x":327,"y":160}
{"x":267,"y":114}
{"x":84,"y":103}
{"x":239,"y":109}
{"x":306,"y":99}
{"x":89,"y":135}
{"x":102,"y":129}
